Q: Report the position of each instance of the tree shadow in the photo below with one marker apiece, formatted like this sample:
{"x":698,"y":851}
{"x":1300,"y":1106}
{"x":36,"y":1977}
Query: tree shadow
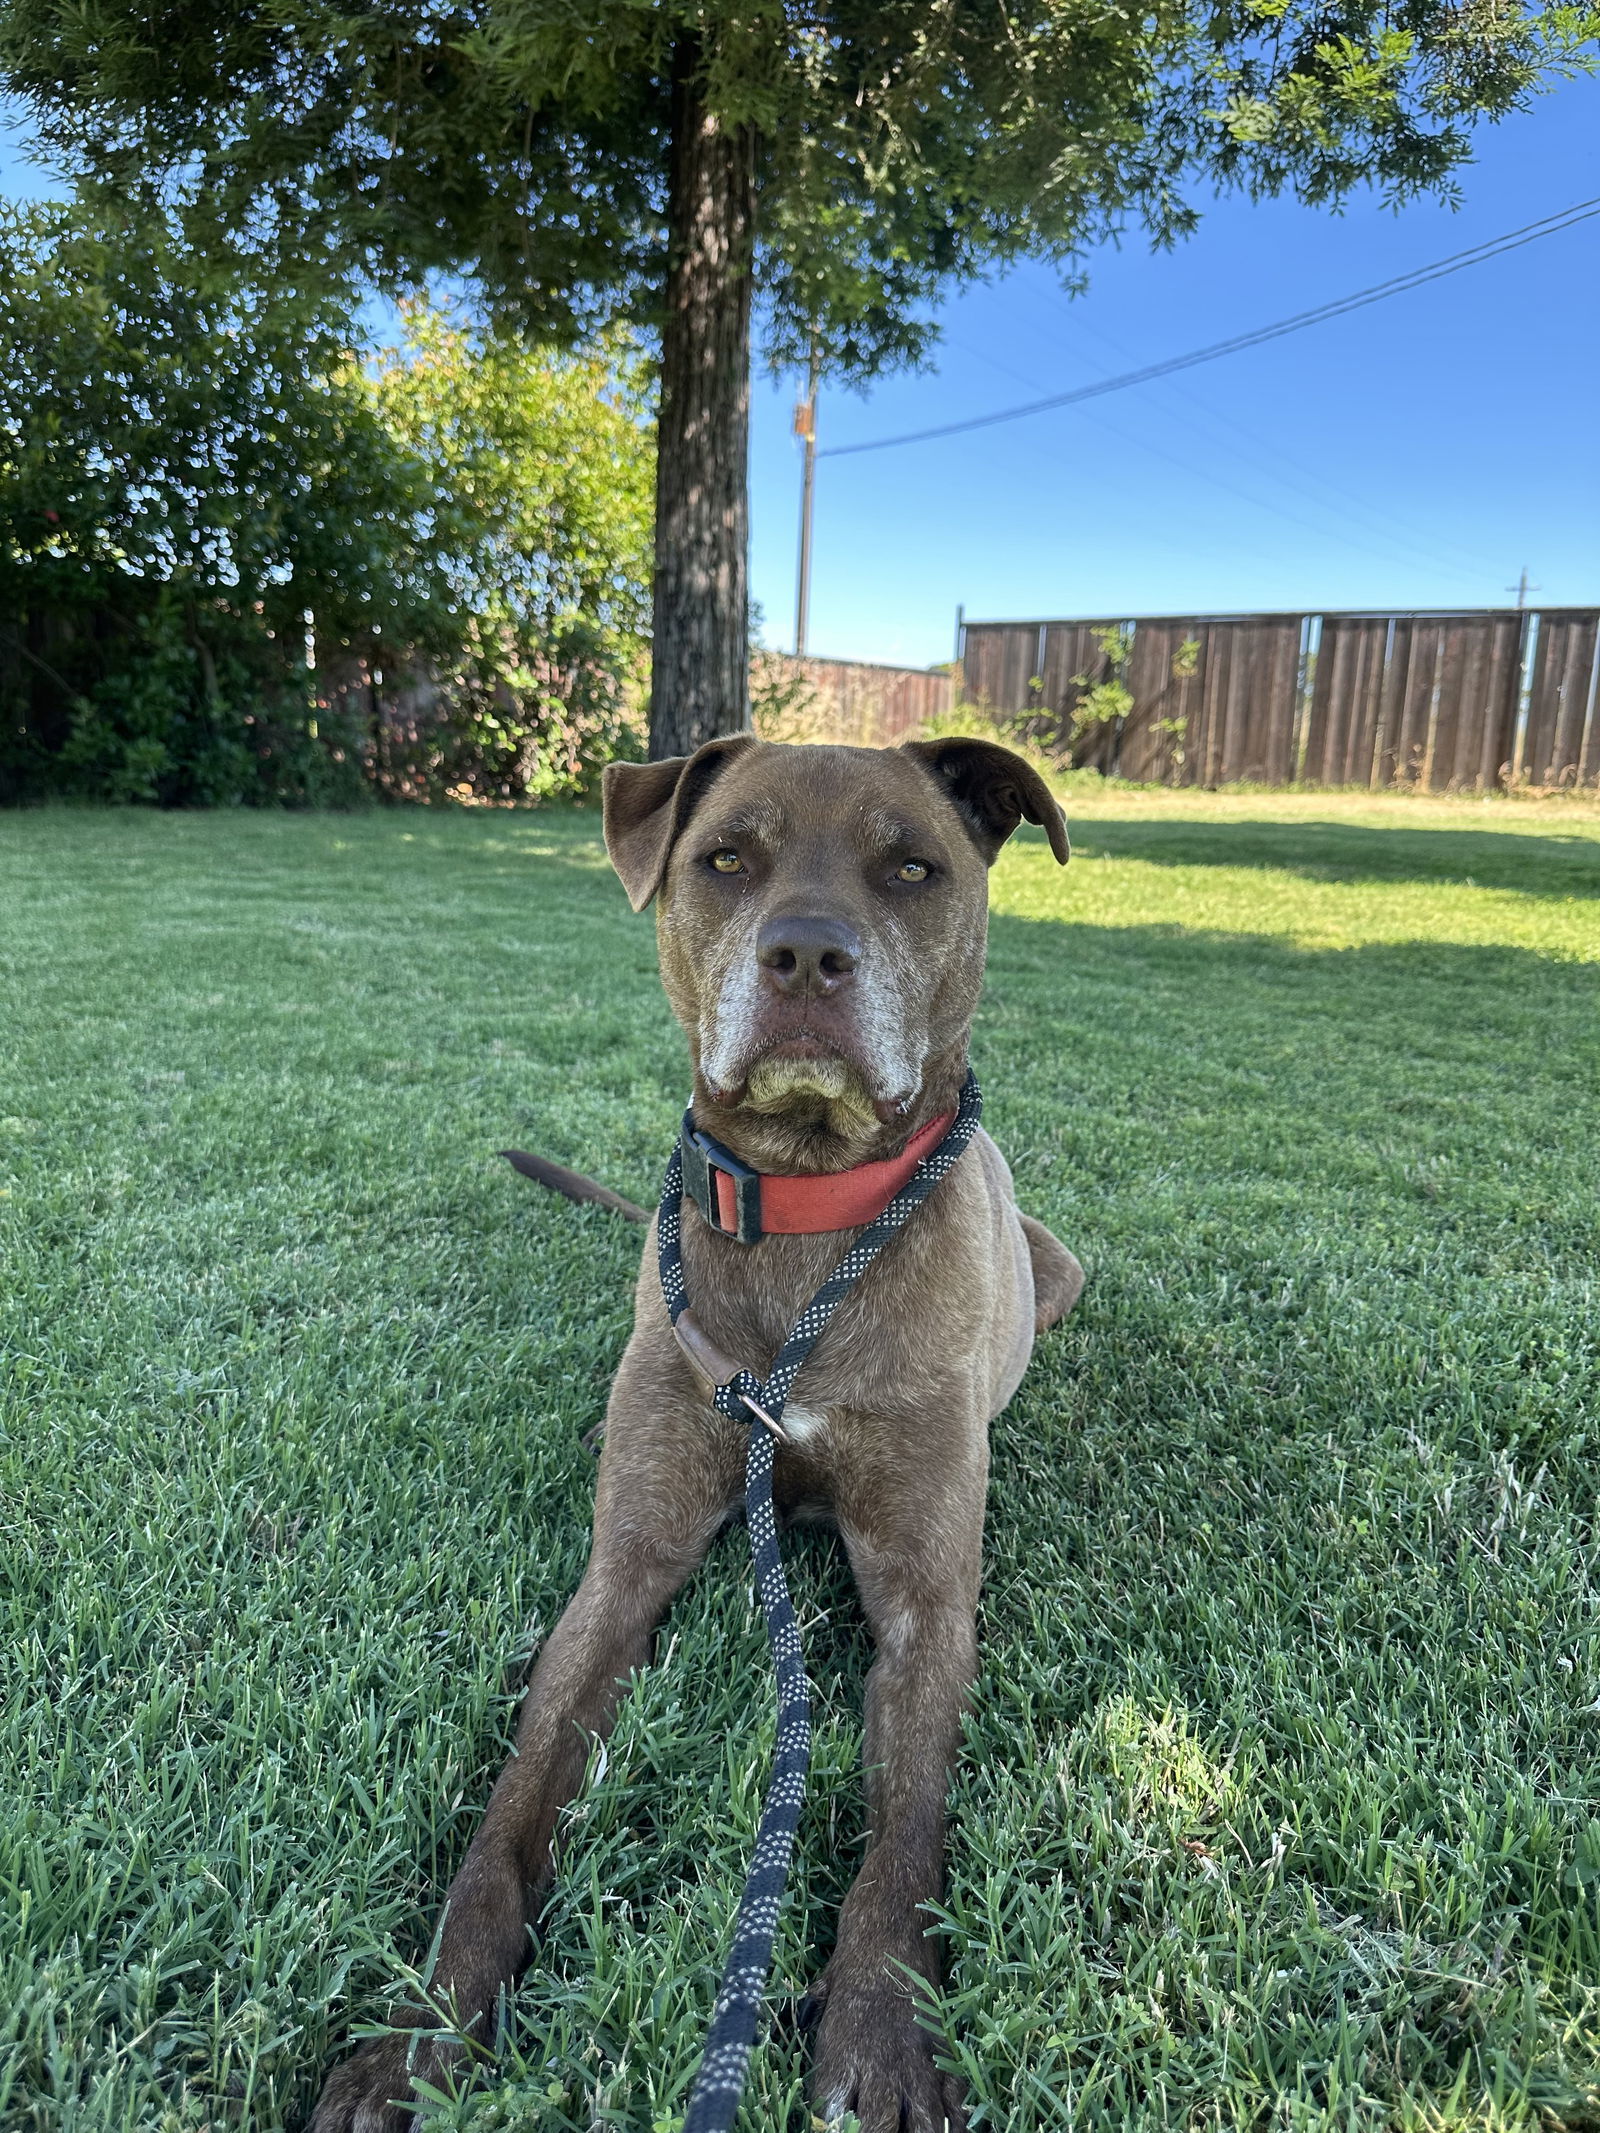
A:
{"x":1560,"y":865}
{"x":1227,"y":974}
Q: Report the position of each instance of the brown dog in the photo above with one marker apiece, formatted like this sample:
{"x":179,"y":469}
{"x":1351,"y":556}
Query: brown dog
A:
{"x":821,"y":916}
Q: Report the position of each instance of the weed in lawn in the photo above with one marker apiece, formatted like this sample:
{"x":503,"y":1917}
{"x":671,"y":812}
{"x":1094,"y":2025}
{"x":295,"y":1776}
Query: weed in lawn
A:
{"x":1281,"y":1803}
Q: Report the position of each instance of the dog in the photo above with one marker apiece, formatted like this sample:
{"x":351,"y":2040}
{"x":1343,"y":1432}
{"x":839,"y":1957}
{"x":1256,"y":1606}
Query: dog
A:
{"x":821,"y":918}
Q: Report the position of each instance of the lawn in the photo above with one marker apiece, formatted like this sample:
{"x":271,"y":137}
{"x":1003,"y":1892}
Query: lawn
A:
{"x":1282,"y":1800}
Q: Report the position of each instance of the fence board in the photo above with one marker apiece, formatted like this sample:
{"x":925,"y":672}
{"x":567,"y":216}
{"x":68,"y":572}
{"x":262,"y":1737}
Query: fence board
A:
{"x":983,"y":648}
{"x":1561,"y":746}
{"x":1389,"y":735}
{"x":1345,"y":697}
{"x":1273,"y":700}
{"x":1218,"y":670}
{"x":1070,"y":650}
{"x":1498,"y":722}
{"x":1075,"y":661}
{"x":1589,"y":757}
{"x":854,"y":701}
{"x":1424,"y":679}
{"x":1155,"y":739}
{"x":1232,"y":702}
{"x":1447,"y":707}
{"x":1429,"y":699}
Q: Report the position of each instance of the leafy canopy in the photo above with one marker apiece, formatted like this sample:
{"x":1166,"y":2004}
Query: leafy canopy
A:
{"x":541,"y":473}
{"x":185,"y":471}
{"x":164,"y":419}
{"x":901,"y":144}
{"x":539,"y":538}
{"x":191,"y":464}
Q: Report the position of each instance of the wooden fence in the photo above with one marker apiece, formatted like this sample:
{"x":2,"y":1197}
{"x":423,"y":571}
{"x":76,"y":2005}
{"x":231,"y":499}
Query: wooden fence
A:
{"x":1442,"y":701}
{"x":845,"y":699}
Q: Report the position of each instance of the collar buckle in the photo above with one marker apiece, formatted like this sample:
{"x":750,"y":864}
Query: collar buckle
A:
{"x":714,"y":1178}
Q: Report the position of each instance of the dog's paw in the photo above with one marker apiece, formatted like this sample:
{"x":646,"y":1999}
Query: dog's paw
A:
{"x":873,"y":2058}
{"x":372,"y":2091}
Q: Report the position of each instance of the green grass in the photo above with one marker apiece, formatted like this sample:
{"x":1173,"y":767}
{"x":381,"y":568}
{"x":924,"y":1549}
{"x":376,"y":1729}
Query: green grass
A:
{"x":1282,"y":1800}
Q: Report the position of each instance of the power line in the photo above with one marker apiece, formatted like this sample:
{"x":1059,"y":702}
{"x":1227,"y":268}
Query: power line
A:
{"x":1546,"y":226}
{"x":1270,"y":462}
{"x":1377,"y":530}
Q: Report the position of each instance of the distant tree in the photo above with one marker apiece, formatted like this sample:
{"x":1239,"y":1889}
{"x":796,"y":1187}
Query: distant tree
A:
{"x":538,"y":538}
{"x":673,"y":164}
{"x":186,"y":469}
{"x":192,"y":466}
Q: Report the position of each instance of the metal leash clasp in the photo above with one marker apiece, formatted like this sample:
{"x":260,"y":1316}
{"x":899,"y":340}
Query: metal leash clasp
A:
{"x":716,"y":1371}
{"x":762,"y":1416}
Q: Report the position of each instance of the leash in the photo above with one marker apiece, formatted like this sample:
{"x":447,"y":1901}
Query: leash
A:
{"x":744,"y":1397}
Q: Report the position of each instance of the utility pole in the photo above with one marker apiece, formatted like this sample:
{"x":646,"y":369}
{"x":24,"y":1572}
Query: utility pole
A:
{"x":1522,"y":589}
{"x":805,"y":428}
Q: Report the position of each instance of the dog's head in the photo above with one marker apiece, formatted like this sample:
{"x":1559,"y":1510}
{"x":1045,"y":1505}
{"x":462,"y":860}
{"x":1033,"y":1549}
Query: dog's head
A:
{"x":822,"y":919}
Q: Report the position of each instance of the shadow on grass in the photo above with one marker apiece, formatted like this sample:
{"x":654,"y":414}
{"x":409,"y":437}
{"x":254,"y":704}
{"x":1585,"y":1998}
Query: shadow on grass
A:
{"x":1556,"y":866}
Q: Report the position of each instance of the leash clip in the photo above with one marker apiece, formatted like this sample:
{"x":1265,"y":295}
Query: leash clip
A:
{"x":762,"y":1416}
{"x":717,"y":1371}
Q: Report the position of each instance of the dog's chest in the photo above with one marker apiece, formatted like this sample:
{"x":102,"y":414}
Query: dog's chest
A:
{"x":808,"y":1470}
{"x":806,"y":1425}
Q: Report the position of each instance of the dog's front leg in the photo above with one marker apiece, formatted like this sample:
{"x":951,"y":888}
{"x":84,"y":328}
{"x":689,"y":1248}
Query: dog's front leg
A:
{"x":919,"y":1583}
{"x":653,"y":1519}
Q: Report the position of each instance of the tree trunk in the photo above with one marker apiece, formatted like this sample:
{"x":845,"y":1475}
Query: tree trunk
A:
{"x":700,"y":649}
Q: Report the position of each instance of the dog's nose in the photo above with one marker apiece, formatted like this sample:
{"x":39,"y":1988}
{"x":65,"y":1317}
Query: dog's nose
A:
{"x":804,"y":954}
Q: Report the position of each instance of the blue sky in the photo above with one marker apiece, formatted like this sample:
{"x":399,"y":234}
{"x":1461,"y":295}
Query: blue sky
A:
{"x":1418,"y":453}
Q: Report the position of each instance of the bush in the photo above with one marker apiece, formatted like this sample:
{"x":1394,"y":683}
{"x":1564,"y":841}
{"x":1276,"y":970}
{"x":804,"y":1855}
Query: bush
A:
{"x":237,"y":564}
{"x":543,"y":469}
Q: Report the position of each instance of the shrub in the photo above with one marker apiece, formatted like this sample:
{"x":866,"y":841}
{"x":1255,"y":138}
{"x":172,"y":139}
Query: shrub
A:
{"x":238,"y":564}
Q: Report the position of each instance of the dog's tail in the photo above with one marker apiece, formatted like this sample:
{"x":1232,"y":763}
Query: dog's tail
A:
{"x":573,"y":1184}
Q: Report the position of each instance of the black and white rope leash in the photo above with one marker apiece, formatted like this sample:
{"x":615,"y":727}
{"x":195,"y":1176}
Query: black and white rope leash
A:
{"x":745,"y":1398}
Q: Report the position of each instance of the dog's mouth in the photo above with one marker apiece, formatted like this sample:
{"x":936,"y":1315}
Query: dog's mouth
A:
{"x":801,"y":1073}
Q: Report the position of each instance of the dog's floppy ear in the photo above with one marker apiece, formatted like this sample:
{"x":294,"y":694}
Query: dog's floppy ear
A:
{"x":645,"y":805}
{"x":993,"y":790}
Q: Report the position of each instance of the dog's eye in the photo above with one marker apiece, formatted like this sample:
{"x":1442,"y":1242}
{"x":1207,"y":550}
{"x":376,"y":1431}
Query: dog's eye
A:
{"x":913,"y":870}
{"x":727,"y":861}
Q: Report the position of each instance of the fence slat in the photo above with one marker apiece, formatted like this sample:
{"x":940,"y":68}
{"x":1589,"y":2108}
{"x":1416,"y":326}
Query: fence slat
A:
{"x":1412,"y":698}
{"x":1562,"y":700}
{"x":853,"y":701}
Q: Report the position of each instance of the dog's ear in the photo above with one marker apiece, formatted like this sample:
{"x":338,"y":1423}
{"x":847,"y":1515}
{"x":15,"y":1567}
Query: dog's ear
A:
{"x":993,"y":790}
{"x":645,"y":806}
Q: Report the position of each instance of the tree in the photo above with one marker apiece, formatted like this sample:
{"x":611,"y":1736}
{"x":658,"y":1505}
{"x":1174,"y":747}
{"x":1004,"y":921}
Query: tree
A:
{"x":827,"y":169}
{"x":189,"y":467}
{"x":538,"y":536}
{"x":185,"y":471}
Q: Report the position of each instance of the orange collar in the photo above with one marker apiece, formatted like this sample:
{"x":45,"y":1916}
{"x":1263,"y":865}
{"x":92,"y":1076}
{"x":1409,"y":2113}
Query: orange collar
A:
{"x":748,"y":1205}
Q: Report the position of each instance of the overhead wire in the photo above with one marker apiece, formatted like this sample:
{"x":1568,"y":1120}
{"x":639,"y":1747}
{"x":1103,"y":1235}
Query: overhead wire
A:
{"x":1338,"y":307}
{"x":1361,"y":539}
{"x":1270,"y":462}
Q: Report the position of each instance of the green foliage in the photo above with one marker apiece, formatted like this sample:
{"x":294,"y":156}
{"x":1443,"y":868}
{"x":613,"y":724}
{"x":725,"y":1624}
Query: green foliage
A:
{"x":899,"y":148}
{"x":540,"y":533}
{"x":785,"y":704}
{"x":185,"y":472}
{"x":1279,"y":1802}
{"x":1174,"y":727}
{"x":191,"y":466}
{"x":1105,"y":697}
